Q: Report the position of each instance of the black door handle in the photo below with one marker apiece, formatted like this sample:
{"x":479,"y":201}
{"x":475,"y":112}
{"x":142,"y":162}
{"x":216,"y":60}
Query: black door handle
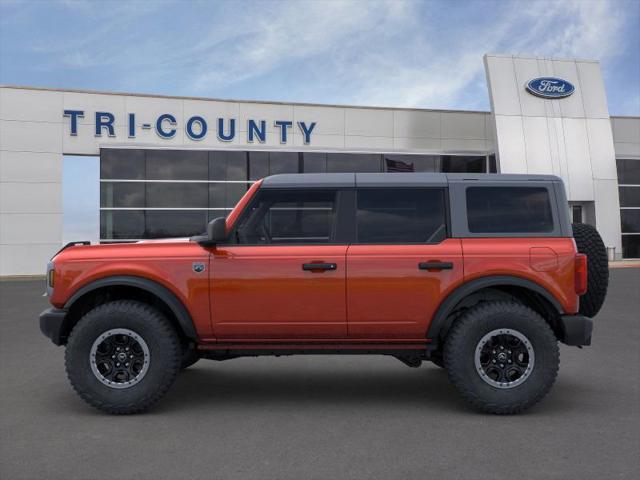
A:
{"x":319,"y":266}
{"x":435,"y":265}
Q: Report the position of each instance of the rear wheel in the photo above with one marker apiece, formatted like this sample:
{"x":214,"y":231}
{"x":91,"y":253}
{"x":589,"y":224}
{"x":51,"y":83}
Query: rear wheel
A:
{"x":122,"y":357}
{"x":502,"y":357}
{"x":589,"y":242}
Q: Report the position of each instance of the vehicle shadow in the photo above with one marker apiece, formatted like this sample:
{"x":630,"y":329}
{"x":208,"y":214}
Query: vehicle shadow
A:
{"x":310,"y":387}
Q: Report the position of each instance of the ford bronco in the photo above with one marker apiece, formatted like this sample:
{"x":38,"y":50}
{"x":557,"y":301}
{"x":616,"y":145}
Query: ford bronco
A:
{"x":480,"y":274}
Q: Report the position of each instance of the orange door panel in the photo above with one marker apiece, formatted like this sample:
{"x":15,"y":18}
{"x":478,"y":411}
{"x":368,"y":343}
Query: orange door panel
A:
{"x":278,"y":292}
{"x":393,"y":290}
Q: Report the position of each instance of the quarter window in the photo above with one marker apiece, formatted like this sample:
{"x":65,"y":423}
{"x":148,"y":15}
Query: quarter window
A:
{"x":289,"y":217}
{"x":509,"y":210}
{"x":388,"y":215}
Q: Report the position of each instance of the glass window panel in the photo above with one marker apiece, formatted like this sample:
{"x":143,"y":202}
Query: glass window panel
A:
{"x":226,"y":195}
{"x":576,"y":213}
{"x":121,"y":224}
{"x":628,"y":171}
{"x":123,"y":164}
{"x":217,"y":165}
{"x":314,"y":162}
{"x":129,"y":194}
{"x":213,"y":214}
{"x":630,"y":221}
{"x":631,"y":246}
{"x":283,"y":162}
{"x":411,"y":163}
{"x":177,"y":195}
{"x":286,"y":217}
{"x":235,"y":191}
{"x":462,"y":164}
{"x":236,"y":166}
{"x":493,"y":165}
{"x":177,"y":165}
{"x":353,"y":162}
{"x":175,"y":223}
{"x":509,"y":209}
{"x":218,"y":195}
{"x":258,"y":165}
{"x":629,"y":196}
{"x":401,"y":216}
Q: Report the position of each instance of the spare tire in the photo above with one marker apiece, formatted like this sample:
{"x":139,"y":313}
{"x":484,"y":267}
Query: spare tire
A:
{"x":589,"y":242}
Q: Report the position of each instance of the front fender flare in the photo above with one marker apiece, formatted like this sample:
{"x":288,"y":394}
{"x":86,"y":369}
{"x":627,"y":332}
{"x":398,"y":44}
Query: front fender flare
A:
{"x":163,"y":293}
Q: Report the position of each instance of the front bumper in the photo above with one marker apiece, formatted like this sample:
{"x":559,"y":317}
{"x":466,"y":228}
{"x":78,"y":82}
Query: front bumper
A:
{"x":53,"y":324}
{"x":575,"y":330}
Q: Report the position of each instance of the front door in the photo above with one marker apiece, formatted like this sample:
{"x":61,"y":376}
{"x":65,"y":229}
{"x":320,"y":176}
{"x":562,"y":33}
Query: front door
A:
{"x":402,"y":264}
{"x":284,"y":275}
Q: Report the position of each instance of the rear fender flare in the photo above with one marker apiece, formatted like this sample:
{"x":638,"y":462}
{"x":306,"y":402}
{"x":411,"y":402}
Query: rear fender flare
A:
{"x":441,"y":321}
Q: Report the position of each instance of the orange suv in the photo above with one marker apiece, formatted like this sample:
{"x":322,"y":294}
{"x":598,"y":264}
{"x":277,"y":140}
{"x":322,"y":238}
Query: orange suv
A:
{"x":480,"y":274}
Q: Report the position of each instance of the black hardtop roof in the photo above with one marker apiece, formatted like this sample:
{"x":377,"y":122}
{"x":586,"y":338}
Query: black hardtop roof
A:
{"x":418,"y":179}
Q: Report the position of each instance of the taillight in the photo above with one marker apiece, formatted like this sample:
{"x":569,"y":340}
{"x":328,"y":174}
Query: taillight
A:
{"x":581,"y":274}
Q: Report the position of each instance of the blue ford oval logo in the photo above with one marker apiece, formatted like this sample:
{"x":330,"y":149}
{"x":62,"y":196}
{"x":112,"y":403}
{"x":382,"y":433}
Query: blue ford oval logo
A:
{"x":550,"y":87}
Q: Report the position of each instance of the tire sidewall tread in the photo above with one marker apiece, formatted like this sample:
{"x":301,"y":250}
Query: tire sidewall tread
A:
{"x":459,"y":351}
{"x":157,"y":332}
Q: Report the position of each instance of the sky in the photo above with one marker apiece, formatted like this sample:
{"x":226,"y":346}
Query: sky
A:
{"x":378,"y":53}
{"x":388,"y":53}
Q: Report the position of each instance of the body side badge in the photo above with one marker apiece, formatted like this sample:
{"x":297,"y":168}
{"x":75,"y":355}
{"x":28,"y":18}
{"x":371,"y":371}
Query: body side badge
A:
{"x":198,"y":267}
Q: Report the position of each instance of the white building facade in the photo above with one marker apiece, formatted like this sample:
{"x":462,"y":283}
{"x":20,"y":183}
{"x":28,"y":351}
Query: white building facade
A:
{"x":170,"y":164}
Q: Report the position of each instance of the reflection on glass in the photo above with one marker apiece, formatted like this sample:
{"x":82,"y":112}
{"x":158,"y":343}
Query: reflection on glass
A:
{"x":177,"y":165}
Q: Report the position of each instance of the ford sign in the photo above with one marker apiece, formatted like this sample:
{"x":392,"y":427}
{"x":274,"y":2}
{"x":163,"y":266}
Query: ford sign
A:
{"x":550,"y":87}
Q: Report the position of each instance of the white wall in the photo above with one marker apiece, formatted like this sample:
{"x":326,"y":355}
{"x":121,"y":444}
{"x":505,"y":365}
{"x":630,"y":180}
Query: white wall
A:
{"x":626,"y":136}
{"x":30,"y":179}
{"x":569,"y":137}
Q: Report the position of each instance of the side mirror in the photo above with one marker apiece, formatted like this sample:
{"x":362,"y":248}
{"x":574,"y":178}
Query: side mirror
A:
{"x":217,"y":230}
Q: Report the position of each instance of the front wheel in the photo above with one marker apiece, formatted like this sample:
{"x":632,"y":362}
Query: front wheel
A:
{"x":122,"y":357}
{"x":502,"y":357}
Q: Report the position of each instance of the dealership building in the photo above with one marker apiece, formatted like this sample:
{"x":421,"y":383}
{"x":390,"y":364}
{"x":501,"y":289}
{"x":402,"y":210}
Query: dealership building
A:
{"x":170,"y":164}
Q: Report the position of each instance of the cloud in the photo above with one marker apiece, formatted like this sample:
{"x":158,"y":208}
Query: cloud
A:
{"x":387,"y":52}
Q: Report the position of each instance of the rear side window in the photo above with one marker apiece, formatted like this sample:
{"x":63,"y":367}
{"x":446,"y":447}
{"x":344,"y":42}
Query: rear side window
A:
{"x":388,"y":215}
{"x":509,"y":210}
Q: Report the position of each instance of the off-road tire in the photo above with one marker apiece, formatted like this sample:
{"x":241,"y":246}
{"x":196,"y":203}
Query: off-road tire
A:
{"x":164,"y":358}
{"x":189,"y":357}
{"x":470,"y":328}
{"x":590,"y":243}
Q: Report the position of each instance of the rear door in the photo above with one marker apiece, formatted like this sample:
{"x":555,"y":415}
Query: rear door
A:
{"x":402,"y":263}
{"x":284,"y":277}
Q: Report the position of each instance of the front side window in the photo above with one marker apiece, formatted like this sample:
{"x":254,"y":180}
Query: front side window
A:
{"x":282,"y":217}
{"x":387,"y":215}
{"x":509,"y":210}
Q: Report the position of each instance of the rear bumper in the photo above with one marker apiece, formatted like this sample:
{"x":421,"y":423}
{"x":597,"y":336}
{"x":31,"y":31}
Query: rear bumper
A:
{"x":575,"y":330}
{"x":53,"y":323}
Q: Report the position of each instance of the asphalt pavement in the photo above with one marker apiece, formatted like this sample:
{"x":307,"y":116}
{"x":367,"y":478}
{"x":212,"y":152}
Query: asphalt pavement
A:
{"x":321,"y":417}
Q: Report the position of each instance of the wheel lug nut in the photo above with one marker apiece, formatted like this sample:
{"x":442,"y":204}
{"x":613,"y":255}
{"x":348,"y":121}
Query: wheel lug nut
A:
{"x":509,"y":361}
{"x":117,"y":364}
{"x":502,"y":365}
{"x":126,"y":364}
{"x":113,"y":356}
{"x":494,"y":360}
